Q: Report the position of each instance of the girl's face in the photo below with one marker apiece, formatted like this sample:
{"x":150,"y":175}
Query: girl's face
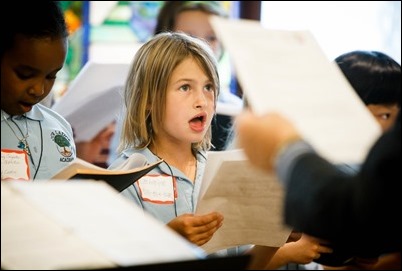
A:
{"x":384,"y":114}
{"x":196,"y":23}
{"x":190,"y":104}
{"x":28,"y":72}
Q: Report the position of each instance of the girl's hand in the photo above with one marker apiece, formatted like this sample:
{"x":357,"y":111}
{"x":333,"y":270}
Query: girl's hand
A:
{"x":197,"y":229}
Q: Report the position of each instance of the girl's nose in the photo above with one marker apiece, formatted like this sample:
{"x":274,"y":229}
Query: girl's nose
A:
{"x":201,"y":100}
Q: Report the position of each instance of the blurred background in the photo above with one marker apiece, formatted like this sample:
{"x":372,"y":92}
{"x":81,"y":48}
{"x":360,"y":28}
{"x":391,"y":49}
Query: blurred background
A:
{"x":111,"y":31}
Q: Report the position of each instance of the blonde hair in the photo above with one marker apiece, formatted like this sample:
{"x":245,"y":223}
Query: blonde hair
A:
{"x":147,"y":82}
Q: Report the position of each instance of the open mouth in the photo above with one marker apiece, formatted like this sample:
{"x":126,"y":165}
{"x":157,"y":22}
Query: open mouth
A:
{"x":198,"y":123}
{"x":26,"y":106}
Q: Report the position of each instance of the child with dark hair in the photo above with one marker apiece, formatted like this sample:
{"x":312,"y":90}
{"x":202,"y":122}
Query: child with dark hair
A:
{"x":376,"y":78}
{"x":35,"y":139}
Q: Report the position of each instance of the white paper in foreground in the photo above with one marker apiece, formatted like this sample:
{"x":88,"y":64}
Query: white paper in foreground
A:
{"x":287,"y":72}
{"x":80,"y":225}
{"x":250,"y":200}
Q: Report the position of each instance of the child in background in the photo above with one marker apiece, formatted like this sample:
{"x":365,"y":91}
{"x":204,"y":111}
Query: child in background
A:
{"x":376,"y":78}
{"x":91,"y":105}
{"x":33,"y":51}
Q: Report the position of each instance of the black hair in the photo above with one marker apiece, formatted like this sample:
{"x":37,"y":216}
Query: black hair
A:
{"x":32,"y":19}
{"x":375,"y":76}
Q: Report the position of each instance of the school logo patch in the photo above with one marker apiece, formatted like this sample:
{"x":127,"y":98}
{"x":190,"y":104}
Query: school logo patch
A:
{"x":63,"y":144}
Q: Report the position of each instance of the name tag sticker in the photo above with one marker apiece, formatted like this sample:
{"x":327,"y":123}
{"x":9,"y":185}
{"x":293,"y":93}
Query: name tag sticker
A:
{"x":158,"y":188}
{"x":14,"y":165}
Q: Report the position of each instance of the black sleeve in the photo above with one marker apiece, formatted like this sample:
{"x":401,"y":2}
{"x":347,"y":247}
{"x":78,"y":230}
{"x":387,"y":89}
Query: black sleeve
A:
{"x":359,"y":213}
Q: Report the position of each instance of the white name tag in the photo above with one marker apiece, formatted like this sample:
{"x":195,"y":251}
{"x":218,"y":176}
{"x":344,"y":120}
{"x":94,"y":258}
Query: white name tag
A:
{"x":158,"y":188}
{"x":14,"y":165}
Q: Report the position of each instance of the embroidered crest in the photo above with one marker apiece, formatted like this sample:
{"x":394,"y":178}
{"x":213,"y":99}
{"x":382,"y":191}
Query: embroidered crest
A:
{"x":63,"y":144}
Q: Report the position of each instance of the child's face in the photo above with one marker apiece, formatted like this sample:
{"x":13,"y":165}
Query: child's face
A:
{"x":384,"y":114}
{"x":96,"y":150}
{"x":28,"y":72}
{"x":196,"y":23}
{"x":190,"y":104}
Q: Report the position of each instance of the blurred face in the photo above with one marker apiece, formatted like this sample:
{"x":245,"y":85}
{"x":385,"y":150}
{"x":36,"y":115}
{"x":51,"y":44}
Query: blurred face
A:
{"x":384,"y":114}
{"x":28,"y":72}
{"x":96,"y":151}
{"x":190,"y":105}
{"x":196,"y":24}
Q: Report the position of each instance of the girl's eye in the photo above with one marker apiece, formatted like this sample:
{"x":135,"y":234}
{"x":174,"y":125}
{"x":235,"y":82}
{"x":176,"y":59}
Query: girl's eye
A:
{"x":385,"y":116}
{"x":185,"y":88}
{"x":27,"y":76}
{"x":209,"y":88}
{"x":24,"y":76}
{"x":52,"y":76}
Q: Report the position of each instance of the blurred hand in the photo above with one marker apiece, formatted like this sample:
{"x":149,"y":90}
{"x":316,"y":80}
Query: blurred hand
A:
{"x":301,"y":251}
{"x":197,"y":229}
{"x":263,"y":137}
{"x":308,"y":249}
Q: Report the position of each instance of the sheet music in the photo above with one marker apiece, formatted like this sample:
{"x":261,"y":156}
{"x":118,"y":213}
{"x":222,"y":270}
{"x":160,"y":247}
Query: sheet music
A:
{"x":286,"y":71}
{"x":250,"y":200}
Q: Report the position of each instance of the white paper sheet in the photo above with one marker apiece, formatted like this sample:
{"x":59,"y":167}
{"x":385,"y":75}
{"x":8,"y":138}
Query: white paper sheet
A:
{"x":286,"y":71}
{"x":250,"y":200}
{"x":86,"y":224}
